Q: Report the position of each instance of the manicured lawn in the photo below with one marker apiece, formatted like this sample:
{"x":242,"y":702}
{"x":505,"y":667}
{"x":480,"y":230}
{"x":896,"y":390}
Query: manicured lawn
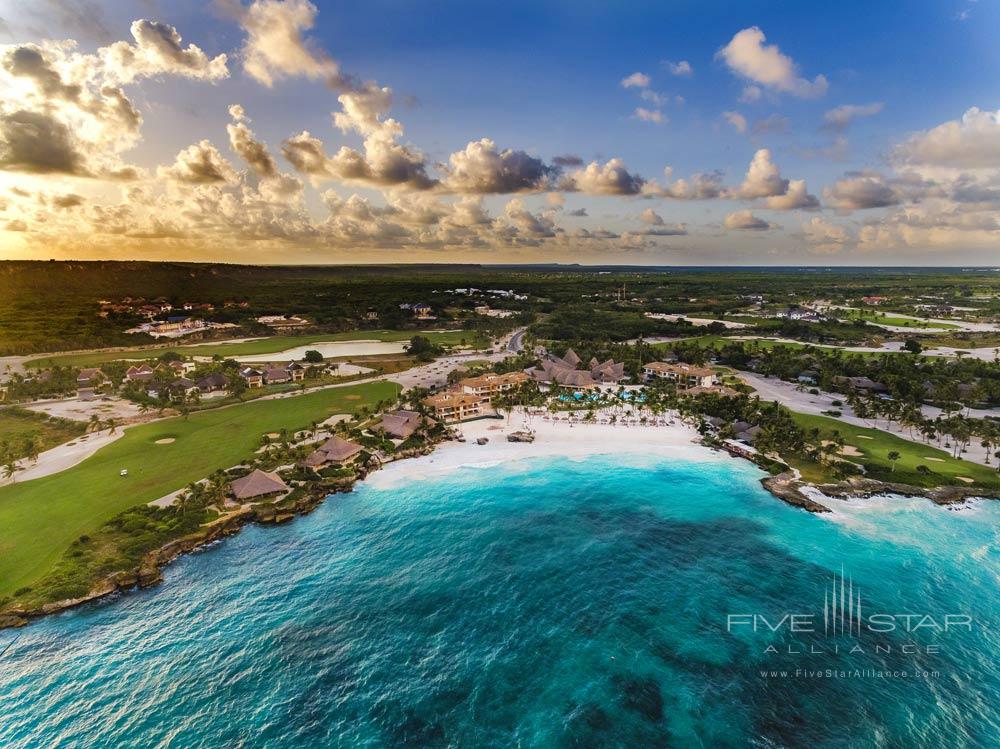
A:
{"x":875,"y":445}
{"x":899,"y":322}
{"x":269,"y":345}
{"x":40,"y":518}
{"x":19,"y":424}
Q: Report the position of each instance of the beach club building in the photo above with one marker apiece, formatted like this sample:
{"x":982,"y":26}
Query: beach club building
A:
{"x":490,"y":384}
{"x":686,"y":376}
{"x":257,"y":486}
{"x":335,"y":451}
{"x":400,"y":424}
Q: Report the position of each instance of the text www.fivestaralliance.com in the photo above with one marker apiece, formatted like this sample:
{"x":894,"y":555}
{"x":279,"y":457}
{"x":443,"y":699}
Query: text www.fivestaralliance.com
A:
{"x":858,"y":673}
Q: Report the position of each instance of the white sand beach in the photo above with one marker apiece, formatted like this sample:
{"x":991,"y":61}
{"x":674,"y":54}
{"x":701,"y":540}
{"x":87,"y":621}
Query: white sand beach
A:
{"x":553,"y":437}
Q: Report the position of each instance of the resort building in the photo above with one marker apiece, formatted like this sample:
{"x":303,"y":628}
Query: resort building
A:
{"x":296,"y":371}
{"x":400,"y":424}
{"x":490,"y":384}
{"x":276,"y":376}
{"x":335,"y":450}
{"x":567,"y":370}
{"x":686,"y":376}
{"x":258,"y":485}
{"x":254,"y":378}
{"x":212,"y":382}
{"x":141,"y":373}
{"x":453,"y":406}
{"x":90,"y":377}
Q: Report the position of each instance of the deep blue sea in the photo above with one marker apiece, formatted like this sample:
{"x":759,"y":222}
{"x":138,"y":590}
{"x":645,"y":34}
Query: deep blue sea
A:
{"x":547,"y":603}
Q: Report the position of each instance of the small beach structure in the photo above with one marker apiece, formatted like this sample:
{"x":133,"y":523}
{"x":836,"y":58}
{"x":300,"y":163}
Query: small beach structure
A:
{"x":400,"y":424}
{"x":335,"y":450}
{"x":258,"y":485}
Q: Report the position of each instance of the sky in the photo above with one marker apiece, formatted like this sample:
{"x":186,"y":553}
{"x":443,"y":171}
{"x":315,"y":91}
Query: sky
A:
{"x":687,"y":133}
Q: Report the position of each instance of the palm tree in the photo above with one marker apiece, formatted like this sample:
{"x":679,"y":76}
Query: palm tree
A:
{"x":893,"y":457}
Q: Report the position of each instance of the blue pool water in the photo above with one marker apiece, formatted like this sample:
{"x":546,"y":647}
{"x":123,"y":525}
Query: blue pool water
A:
{"x":549,"y":603}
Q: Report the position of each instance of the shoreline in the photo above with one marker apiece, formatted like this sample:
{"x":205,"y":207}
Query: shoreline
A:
{"x":554,"y":436}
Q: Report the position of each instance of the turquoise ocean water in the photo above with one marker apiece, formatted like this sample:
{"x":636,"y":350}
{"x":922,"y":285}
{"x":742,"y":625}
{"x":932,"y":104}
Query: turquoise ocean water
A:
{"x":547,"y":603}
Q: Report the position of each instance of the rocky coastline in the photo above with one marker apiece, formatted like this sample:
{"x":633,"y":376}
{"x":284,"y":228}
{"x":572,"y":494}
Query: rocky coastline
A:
{"x":150,"y":570}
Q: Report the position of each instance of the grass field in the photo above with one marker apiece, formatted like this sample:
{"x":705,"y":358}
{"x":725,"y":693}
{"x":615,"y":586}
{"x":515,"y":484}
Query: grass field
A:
{"x":41,"y":518}
{"x":899,"y":322}
{"x":19,"y":424}
{"x":875,"y":445}
{"x":270,"y":345}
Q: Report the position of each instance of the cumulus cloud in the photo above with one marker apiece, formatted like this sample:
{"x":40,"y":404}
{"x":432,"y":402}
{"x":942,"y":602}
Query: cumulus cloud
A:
{"x":611,"y":178}
{"x":824,"y":236}
{"x":384,"y":162}
{"x":745,"y":220}
{"x":796,"y":197}
{"x":651,"y":217}
{"x":276,"y":47}
{"x":860,"y":191}
{"x":200,"y":164}
{"x":36,"y":143}
{"x":765,"y":66}
{"x":970,"y":143}
{"x":650,"y":115}
{"x":840,"y":118}
{"x":682,"y":68}
{"x":636,"y":80}
{"x":701,"y":186}
{"x":158,"y":50}
{"x":763,"y":178}
{"x":481,"y":168}
{"x":737,"y":120}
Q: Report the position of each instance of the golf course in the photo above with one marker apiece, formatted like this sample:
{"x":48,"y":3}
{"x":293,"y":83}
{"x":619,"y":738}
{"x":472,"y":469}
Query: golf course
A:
{"x":41,"y":518}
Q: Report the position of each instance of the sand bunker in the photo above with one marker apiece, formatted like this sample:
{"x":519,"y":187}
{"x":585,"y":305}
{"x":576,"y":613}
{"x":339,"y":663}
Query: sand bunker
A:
{"x":165,"y":441}
{"x":966,"y":479}
{"x":273,"y":435}
{"x":864,"y":436}
{"x":335,"y":419}
{"x":935,"y":460}
{"x":852,"y":451}
{"x":352,"y":397}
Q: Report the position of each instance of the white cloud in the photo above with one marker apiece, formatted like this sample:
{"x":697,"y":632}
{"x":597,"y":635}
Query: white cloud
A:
{"x":746,"y":221}
{"x":840,"y":118}
{"x":650,"y":115}
{"x":796,"y":197}
{"x":766,"y":66}
{"x":201,"y":164}
{"x":481,"y":168}
{"x":276,"y":48}
{"x":636,"y":80}
{"x":737,"y":120}
{"x":611,"y":178}
{"x":682,"y":68}
{"x":158,"y":50}
{"x":824,"y":236}
{"x":763,"y":178}
{"x":970,"y":143}
{"x":860,"y":191}
{"x":651,"y":217}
